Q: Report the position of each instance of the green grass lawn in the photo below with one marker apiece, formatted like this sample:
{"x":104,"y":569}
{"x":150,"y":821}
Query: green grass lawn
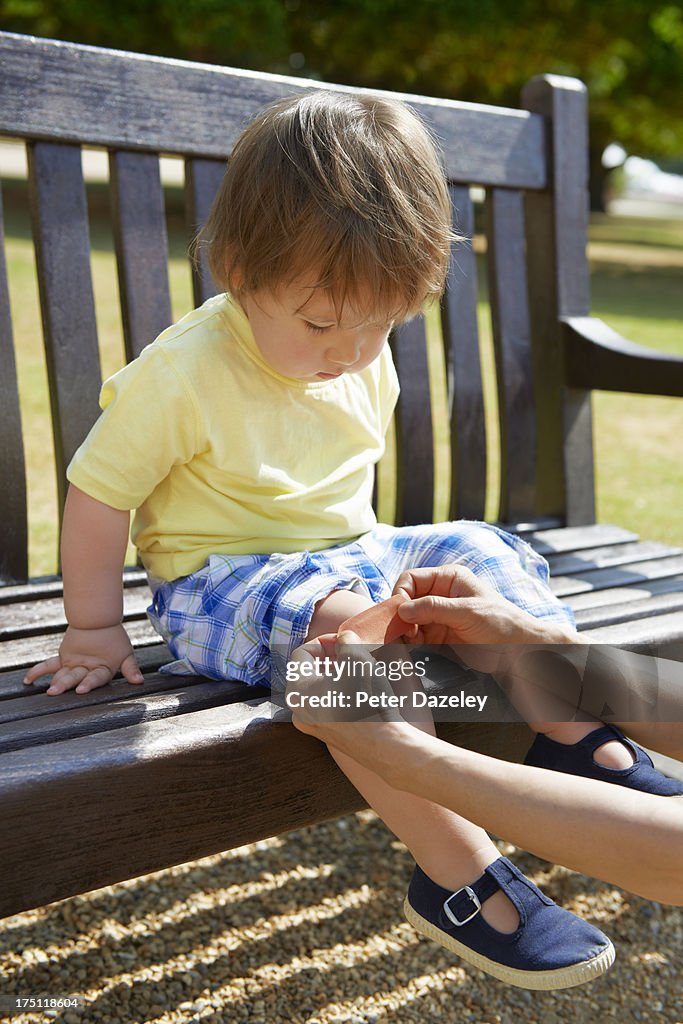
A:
{"x":636,"y":275}
{"x":636,"y":289}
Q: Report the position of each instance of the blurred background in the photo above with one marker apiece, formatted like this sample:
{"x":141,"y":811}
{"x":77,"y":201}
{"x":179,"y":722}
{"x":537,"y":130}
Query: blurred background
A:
{"x":628,"y":52}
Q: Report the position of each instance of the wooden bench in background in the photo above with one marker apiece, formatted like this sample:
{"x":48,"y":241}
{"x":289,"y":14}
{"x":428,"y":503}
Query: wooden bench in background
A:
{"x":128,"y":780}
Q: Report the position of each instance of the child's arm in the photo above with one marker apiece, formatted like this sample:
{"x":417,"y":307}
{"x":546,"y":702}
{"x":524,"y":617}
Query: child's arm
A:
{"x":95,"y":645}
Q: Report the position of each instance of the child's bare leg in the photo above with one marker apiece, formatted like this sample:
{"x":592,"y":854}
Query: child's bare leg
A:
{"x":448,"y":848}
{"x":631,"y":678}
{"x":612,"y":754}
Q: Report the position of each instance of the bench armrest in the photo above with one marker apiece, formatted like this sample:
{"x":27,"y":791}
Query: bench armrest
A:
{"x":599,"y":359}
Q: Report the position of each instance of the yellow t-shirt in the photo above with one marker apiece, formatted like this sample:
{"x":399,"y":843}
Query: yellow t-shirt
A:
{"x":219,"y":453}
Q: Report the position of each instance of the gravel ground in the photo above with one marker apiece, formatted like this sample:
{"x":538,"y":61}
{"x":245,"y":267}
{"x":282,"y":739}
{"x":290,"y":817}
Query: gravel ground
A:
{"x":307,"y":928}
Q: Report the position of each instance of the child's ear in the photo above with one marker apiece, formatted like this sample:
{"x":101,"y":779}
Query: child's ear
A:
{"x":235,"y":280}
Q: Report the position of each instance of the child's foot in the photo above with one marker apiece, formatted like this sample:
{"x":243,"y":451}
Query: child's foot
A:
{"x":550,"y":949}
{"x":499,"y":911}
{"x":597,"y":756}
{"x":612,"y":754}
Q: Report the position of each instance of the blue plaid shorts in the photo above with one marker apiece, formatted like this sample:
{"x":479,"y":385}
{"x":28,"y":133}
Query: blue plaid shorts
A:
{"x":239,"y":613}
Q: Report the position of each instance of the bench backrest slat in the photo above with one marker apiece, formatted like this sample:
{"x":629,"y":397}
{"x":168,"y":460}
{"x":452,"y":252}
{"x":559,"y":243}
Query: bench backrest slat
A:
{"x":129,"y":101}
{"x":463,"y":364}
{"x":414,"y":445}
{"x":512,"y":345}
{"x":202,"y":178}
{"x":558,"y":283}
{"x":13,"y":521}
{"x":62,"y":242}
{"x":141,"y":247}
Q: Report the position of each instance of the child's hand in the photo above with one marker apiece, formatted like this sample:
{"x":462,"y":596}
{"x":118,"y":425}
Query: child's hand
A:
{"x":89,"y":658}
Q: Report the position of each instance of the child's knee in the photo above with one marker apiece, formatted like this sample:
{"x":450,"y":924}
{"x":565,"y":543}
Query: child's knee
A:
{"x":333,"y":609}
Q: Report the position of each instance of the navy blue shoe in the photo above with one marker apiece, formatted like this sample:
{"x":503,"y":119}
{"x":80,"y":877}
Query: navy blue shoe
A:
{"x":577,"y":759}
{"x":551,"y":948}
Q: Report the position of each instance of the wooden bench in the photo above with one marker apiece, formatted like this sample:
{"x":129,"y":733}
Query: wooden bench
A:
{"x":128,"y":780}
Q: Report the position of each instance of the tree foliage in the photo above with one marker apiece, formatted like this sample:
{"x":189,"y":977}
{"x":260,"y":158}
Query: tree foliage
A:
{"x":629,"y":52}
{"x":245,"y":33}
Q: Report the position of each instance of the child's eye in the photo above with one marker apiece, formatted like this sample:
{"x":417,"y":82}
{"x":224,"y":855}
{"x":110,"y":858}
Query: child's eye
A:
{"x":315,"y":327}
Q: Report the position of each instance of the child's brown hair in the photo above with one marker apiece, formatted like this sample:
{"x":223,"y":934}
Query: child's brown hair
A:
{"x":342,"y":192}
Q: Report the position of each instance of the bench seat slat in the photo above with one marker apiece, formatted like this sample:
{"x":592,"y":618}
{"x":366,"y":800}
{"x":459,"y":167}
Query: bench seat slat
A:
{"x":611,"y":554}
{"x":591,"y":608}
{"x":463,"y":366}
{"x":93,"y":719}
{"x":662,"y":631}
{"x":576,"y":538}
{"x":32,"y":702}
{"x":618,"y":575}
{"x":152,"y":795}
{"x":15,"y":654}
{"x":51,"y":586}
{"x":32,"y":618}
{"x":573,"y":573}
{"x":62,"y":242}
{"x":622,"y":595}
{"x":628,"y":611}
{"x":528,"y":526}
{"x":141,"y":247}
{"x":150,"y":659}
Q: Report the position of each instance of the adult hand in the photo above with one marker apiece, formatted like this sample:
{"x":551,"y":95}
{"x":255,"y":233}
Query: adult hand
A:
{"x":451,"y":605}
{"x":373,"y":737}
{"x":87,"y":659}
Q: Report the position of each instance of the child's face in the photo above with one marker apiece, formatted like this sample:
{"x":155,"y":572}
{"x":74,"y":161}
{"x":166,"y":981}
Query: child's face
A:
{"x":298,"y":334}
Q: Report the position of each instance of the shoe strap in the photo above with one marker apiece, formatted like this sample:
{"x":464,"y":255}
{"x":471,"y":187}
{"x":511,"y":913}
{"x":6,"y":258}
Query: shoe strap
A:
{"x":602,"y":735}
{"x":464,"y":904}
{"x":593,"y":740}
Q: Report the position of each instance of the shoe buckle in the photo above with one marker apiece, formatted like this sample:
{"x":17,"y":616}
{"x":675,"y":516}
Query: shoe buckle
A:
{"x":473,"y":897}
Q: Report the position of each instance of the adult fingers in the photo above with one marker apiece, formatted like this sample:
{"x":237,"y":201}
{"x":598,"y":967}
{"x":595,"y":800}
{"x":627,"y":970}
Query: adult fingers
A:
{"x":443,"y":611}
{"x":450,"y":580}
{"x":309,"y":651}
{"x":302,"y":677}
{"x":348,"y":639}
{"x":351,"y":651}
{"x":373,"y":690}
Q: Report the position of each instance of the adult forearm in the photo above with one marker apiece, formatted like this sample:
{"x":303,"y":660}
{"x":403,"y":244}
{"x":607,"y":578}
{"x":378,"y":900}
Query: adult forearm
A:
{"x":94,"y":541}
{"x":628,"y":838}
{"x":556,"y":682}
{"x":645,"y":695}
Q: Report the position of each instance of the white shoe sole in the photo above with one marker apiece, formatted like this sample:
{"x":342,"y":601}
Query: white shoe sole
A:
{"x":562,"y":977}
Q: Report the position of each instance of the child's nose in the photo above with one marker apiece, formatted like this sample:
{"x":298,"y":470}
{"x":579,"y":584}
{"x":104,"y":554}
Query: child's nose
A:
{"x":345,"y":353}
